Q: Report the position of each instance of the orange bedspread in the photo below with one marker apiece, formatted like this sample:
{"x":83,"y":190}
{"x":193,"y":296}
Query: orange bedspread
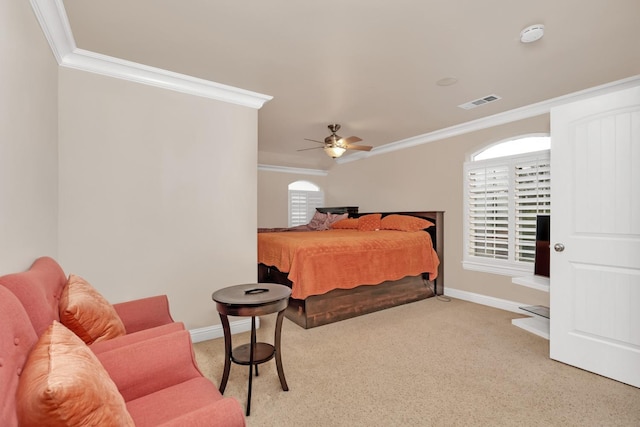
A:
{"x":319,"y":261}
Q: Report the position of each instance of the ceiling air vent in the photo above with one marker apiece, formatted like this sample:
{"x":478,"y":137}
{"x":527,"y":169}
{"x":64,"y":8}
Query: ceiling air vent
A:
{"x":480,"y":101}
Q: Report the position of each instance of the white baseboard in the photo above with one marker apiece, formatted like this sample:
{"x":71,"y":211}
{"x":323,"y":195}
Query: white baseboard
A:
{"x":244,"y":325}
{"x":534,"y":324}
{"x":502,"y":304}
{"x":215,"y":331}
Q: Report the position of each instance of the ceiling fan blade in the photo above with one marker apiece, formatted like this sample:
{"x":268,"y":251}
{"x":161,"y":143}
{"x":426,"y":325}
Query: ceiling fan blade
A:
{"x":313,"y":140}
{"x":351,"y":139}
{"x":312,"y":148}
{"x":359,"y":147}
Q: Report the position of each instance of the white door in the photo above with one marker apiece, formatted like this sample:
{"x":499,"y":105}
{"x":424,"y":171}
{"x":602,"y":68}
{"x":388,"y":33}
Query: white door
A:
{"x":595,"y":200}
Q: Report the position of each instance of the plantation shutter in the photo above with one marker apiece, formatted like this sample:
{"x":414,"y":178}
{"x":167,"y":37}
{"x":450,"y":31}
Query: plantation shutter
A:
{"x":504,"y":196}
{"x":488,"y":210}
{"x":532,"y":197}
{"x":297,"y":207}
{"x":302,"y":206}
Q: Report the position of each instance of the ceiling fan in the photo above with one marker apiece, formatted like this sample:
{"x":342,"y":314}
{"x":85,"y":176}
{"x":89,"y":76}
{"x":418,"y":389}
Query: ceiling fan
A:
{"x":335,"y":145}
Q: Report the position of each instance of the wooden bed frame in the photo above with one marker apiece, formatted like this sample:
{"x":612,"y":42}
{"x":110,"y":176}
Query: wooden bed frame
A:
{"x":341,"y":304}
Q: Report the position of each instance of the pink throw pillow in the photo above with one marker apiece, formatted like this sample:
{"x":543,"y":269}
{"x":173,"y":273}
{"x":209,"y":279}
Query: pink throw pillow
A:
{"x":87,"y":313}
{"x":64,"y":384}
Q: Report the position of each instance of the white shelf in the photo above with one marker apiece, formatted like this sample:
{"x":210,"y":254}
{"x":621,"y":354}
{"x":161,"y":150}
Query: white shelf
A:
{"x":540,"y":283}
{"x":536,"y":325}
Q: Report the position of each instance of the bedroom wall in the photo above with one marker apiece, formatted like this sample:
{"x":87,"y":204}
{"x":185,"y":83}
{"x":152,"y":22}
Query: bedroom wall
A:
{"x":273,"y":195}
{"x":157,"y":192}
{"x":429,"y":177}
{"x":28,"y":140}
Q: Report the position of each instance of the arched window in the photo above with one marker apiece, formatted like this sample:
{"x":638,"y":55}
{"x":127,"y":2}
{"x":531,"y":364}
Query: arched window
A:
{"x":506,"y":186}
{"x":304,"y":198}
{"x":526,"y":144}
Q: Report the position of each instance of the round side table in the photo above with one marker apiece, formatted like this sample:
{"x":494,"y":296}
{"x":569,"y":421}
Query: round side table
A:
{"x":252,"y":299}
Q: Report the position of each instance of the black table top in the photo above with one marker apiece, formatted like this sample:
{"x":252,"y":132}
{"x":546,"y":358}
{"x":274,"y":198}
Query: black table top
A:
{"x":251,"y":294}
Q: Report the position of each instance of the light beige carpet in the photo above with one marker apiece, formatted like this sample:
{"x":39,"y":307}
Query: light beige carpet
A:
{"x":429,"y":363}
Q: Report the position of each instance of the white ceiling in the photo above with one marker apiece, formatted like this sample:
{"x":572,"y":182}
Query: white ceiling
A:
{"x":370,"y":65}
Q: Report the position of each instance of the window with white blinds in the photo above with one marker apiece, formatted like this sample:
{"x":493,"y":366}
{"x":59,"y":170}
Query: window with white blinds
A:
{"x":532,"y":197}
{"x":304,"y":198}
{"x":488,"y":198}
{"x":503,"y":196}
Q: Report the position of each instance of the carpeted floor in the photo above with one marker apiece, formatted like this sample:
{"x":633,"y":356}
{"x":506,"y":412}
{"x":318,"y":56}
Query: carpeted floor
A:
{"x":429,"y":363}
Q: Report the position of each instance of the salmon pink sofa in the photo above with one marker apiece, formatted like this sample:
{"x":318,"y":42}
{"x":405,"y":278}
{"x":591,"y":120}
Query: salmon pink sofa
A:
{"x":146,"y":376}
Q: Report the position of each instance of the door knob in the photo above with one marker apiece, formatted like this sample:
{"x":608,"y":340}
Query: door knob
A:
{"x":558,"y":247}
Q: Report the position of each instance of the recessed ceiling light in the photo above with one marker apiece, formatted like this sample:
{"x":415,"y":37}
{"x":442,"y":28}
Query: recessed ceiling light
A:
{"x":532,"y":33}
{"x":447,"y":81}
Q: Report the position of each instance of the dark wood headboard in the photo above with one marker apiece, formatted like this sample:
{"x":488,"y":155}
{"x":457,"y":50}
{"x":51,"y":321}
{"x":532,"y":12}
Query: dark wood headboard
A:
{"x":351,"y":210}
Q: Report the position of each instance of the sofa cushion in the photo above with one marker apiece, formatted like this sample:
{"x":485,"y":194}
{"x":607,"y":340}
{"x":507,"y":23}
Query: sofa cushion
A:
{"x":195,"y":395}
{"x":144,"y":313}
{"x":87,"y":313}
{"x":64,"y":384}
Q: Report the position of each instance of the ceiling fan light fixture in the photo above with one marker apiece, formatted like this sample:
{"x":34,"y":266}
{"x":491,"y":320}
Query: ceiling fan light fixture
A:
{"x":335,"y":145}
{"x":334,"y":152}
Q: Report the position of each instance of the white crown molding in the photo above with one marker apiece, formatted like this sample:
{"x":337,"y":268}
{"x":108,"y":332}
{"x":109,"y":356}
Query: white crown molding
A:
{"x":526,"y":112}
{"x":126,"y":70}
{"x":286,"y":169}
{"x":53,"y":19}
{"x":54,"y":23}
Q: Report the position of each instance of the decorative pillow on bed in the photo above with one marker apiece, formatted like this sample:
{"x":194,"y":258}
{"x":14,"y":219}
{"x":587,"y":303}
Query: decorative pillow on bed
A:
{"x":87,"y":313}
{"x":348,"y":223}
{"x":322,"y":221}
{"x":64,"y":384}
{"x":370,"y":222}
{"x":318,"y":222}
{"x":404,"y":223}
{"x":332,"y":218}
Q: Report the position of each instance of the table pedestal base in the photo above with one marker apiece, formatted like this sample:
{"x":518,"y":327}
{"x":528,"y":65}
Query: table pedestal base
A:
{"x":254,"y":353}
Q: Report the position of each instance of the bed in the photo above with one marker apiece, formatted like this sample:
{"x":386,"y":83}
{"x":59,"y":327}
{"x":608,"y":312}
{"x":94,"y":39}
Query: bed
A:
{"x":334,"y":277}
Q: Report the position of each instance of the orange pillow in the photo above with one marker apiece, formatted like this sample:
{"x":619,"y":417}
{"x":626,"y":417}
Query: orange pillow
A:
{"x":404,"y":223}
{"x":369,"y":222}
{"x":87,"y":313}
{"x":333,"y":218}
{"x":346,"y":224}
{"x":64,"y":384}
